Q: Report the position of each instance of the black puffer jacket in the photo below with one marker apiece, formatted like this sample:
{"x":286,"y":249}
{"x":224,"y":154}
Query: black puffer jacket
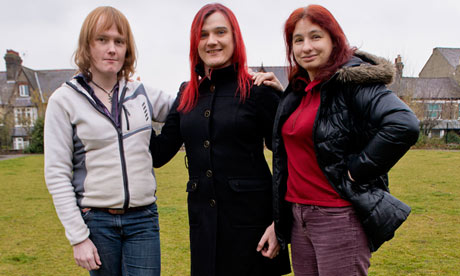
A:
{"x":360,"y":126}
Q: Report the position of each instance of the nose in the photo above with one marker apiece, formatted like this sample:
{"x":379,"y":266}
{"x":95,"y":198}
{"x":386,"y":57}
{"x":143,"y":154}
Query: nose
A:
{"x":307,"y":47}
{"x":212,"y":40}
{"x":111,"y":47}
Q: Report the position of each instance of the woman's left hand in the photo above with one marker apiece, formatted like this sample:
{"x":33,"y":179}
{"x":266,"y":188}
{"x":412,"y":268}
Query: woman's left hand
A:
{"x":268,"y":78}
{"x":268,"y":245}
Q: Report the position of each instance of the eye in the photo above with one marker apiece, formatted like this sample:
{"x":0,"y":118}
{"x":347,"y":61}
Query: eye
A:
{"x":316,"y":35}
{"x":120,"y":41}
{"x":100,"y":39}
{"x":204,"y":35}
{"x":298,"y":39}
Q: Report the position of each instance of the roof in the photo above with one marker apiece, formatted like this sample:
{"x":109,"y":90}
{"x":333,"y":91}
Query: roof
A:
{"x":19,"y":132}
{"x":448,"y":124}
{"x":50,"y":80}
{"x":45,"y":81}
{"x":6,"y":89}
{"x":22,"y":102}
{"x":29,"y":73}
{"x":452,"y":55}
{"x":427,"y":88}
{"x":280,"y":72}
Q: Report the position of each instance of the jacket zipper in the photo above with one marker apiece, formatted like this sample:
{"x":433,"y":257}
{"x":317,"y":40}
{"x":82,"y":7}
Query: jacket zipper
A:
{"x":122,"y":151}
{"x":120,"y":138}
{"x":126,"y":116}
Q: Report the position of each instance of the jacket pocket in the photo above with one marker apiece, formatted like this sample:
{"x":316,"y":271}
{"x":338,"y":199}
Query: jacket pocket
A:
{"x":87,"y":215}
{"x":250,"y":185}
{"x":251,"y":202}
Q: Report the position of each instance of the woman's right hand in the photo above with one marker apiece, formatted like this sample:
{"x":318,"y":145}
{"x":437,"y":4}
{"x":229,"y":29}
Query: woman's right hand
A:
{"x":268,"y":78}
{"x":86,"y":256}
{"x":268,"y":245}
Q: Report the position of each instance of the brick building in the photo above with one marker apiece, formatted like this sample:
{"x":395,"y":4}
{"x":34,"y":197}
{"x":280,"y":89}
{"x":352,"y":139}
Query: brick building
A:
{"x":23,"y":96}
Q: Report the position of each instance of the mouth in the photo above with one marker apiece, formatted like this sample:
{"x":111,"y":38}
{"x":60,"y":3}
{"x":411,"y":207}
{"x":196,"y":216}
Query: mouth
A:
{"x":213,"y":51}
{"x":309,"y":57}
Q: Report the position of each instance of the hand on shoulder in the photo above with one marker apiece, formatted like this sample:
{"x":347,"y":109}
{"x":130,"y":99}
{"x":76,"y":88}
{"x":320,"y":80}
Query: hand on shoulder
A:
{"x":268,"y":79}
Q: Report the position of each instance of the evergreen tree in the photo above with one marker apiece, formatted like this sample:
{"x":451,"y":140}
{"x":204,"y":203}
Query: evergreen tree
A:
{"x":36,"y":137}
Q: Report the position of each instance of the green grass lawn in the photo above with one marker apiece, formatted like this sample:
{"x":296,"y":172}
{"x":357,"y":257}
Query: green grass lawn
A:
{"x":32,"y":240}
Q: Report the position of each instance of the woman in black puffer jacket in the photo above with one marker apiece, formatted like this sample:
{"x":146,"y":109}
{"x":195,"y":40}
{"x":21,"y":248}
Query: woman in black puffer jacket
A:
{"x":338,"y":131}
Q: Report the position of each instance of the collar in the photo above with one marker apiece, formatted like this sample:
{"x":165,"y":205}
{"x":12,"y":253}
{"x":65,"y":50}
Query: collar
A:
{"x":311,"y":85}
{"x":84,"y":82}
{"x":216,"y":75}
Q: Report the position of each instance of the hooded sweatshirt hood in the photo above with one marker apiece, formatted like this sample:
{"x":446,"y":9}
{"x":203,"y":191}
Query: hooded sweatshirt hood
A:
{"x":365,"y":68}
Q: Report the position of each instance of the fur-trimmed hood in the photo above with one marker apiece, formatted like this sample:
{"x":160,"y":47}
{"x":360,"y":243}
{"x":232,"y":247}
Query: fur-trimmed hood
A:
{"x":365,"y":68}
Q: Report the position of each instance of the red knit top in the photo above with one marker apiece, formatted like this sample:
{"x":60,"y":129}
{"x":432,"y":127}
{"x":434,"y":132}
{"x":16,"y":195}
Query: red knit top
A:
{"x":306,"y":182}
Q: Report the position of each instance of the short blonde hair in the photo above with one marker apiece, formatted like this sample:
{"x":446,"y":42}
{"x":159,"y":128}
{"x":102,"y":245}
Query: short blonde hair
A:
{"x":108,"y":16}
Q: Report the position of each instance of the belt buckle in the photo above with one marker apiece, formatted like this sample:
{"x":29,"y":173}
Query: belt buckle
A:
{"x":116,"y":211}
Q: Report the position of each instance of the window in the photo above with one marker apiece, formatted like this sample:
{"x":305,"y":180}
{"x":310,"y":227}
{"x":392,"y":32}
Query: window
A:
{"x":25,"y":116}
{"x":18,"y":143}
{"x":29,"y":116}
{"x":24,"y":90}
{"x":18,"y":117}
{"x":433,"y":110}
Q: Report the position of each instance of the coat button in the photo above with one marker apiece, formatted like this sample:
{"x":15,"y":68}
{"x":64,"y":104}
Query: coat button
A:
{"x":212,"y":203}
{"x":206,"y":144}
{"x":193,"y":187}
{"x":212,"y":88}
{"x":207,"y":113}
{"x":209,"y":173}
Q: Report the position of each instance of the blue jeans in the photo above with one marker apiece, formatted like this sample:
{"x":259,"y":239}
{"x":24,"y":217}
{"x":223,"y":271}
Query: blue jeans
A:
{"x":127,"y":244}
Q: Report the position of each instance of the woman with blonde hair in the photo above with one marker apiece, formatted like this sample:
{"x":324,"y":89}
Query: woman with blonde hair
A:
{"x":97,"y":160}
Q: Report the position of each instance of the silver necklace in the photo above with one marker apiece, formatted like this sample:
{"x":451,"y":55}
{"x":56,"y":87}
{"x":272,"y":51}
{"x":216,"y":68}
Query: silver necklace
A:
{"x":110,"y":94}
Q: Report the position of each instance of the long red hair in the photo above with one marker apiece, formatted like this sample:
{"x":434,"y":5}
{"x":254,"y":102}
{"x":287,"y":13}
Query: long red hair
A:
{"x":190,"y":94}
{"x":320,"y":16}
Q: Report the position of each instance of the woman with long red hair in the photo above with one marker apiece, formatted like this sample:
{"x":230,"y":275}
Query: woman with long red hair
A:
{"x":223,"y":121}
{"x":337,"y":133}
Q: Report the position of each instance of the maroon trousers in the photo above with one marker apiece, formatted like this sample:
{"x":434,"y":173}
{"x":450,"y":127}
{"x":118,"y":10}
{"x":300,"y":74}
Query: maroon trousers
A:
{"x":328,"y":241}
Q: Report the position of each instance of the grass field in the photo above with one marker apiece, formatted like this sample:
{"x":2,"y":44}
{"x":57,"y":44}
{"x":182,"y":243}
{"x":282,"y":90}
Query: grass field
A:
{"x":32,"y":239}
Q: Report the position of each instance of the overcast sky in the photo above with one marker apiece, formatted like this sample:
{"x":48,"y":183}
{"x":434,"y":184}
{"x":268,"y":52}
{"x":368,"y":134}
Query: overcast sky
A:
{"x":45,"y":32}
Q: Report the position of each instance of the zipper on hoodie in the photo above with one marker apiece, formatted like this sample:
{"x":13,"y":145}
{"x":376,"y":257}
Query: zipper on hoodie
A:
{"x":126,"y":116}
{"x":122,"y":151}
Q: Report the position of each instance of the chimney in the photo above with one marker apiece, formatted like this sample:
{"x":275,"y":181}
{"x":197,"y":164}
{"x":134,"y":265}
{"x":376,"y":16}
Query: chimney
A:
{"x":262,"y":68}
{"x":13,"y":64}
{"x":399,"y":67}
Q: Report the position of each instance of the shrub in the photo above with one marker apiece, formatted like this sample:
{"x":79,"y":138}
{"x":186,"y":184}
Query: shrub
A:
{"x":36,"y":137}
{"x":453,"y":138}
{"x":453,"y":142}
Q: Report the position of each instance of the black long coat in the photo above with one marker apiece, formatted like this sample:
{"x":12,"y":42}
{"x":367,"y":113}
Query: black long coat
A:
{"x":361,"y":127}
{"x":230,"y":184}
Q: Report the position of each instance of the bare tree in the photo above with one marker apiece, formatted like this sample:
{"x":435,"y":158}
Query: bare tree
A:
{"x":428,"y":105}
